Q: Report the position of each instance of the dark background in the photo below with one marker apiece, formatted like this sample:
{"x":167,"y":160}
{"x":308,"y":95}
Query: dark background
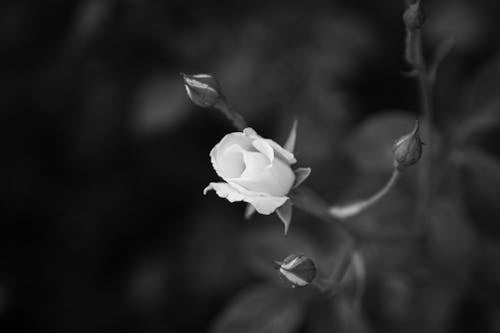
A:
{"x":104,"y":227}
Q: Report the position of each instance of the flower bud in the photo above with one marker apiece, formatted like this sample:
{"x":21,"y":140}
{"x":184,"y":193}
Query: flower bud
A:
{"x":203,"y":89}
{"x":297,"y":270}
{"x":408,"y":149}
{"x":414,"y":16}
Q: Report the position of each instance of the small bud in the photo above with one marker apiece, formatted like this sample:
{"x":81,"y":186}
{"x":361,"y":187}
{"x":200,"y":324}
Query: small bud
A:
{"x":408,"y":149}
{"x":297,"y":270}
{"x":203,"y":89}
{"x":414,"y":16}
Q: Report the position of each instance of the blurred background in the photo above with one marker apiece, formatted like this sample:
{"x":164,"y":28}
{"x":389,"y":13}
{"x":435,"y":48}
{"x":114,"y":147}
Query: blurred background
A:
{"x":104,"y":227}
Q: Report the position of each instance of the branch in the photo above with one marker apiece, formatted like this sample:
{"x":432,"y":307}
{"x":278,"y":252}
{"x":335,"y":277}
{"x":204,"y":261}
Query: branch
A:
{"x":307,"y":200}
{"x":357,"y":207}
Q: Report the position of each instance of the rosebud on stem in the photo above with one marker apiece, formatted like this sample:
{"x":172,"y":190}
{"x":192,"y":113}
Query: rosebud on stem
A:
{"x":205,"y":91}
{"x":297,"y":270}
{"x":414,"y":16}
{"x":408,"y":149}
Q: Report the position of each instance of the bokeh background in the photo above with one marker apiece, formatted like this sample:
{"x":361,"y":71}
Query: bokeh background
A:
{"x":104,"y":227}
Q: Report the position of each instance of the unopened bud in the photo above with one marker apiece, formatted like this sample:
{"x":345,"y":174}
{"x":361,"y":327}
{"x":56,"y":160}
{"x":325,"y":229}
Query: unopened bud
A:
{"x":414,"y":16}
{"x":408,"y":149}
{"x":203,"y":89}
{"x":297,"y":270}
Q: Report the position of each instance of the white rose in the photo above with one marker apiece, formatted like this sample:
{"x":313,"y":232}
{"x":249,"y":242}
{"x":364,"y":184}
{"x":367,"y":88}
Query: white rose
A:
{"x":256,"y":170}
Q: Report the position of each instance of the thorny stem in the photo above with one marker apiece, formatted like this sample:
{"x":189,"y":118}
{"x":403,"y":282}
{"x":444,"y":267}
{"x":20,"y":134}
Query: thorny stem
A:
{"x":359,"y":206}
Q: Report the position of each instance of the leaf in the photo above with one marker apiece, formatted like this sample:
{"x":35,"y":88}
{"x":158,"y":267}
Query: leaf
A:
{"x":458,"y":19}
{"x":451,"y":239}
{"x":371,"y":144}
{"x":290,"y":142}
{"x":484,"y":88}
{"x":301,"y":174}
{"x":442,"y":51}
{"x":263,"y":309}
{"x":481,"y":180}
{"x":264,"y":244}
{"x":159,"y":105}
{"x":284,"y":212}
{"x":483,"y":119}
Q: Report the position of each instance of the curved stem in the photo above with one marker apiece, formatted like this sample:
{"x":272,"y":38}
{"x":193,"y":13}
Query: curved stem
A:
{"x":357,"y":207}
{"x":311,"y":203}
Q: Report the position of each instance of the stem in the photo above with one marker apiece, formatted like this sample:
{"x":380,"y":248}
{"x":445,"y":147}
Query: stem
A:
{"x":425,"y":92}
{"x":331,"y":284}
{"x":311,"y":203}
{"x":357,"y":207}
{"x":232,"y":115}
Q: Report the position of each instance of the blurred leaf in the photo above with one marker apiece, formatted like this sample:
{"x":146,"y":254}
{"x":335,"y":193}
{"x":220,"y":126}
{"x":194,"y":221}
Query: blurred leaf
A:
{"x":481,"y":120}
{"x":371,"y":143}
{"x":451,"y":239}
{"x":457,"y":19}
{"x":337,"y":315}
{"x":489,"y":271}
{"x":443,"y":49}
{"x":481,"y":176}
{"x":262,"y":246}
{"x":483,"y":89}
{"x":263,"y":309}
{"x":481,"y":102}
{"x":160,"y":104}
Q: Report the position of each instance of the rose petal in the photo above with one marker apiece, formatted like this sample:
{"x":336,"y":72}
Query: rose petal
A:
{"x":266,"y":205}
{"x":282,"y":152}
{"x":274,"y":181}
{"x":232,"y":163}
{"x":250,"y":133}
{"x":224,"y":190}
{"x":217,"y":153}
{"x":243,"y":190}
{"x":255,"y":163}
{"x":263,"y":205}
{"x":262,"y":146}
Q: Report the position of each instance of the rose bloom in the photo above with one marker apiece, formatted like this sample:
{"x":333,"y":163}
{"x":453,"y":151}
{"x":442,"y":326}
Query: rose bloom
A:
{"x":255,"y":170}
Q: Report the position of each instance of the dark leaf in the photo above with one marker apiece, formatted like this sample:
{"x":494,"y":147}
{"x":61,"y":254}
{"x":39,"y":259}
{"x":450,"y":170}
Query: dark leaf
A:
{"x":481,"y":177}
{"x":451,"y":239}
{"x":262,"y":309}
{"x":371,"y":144}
